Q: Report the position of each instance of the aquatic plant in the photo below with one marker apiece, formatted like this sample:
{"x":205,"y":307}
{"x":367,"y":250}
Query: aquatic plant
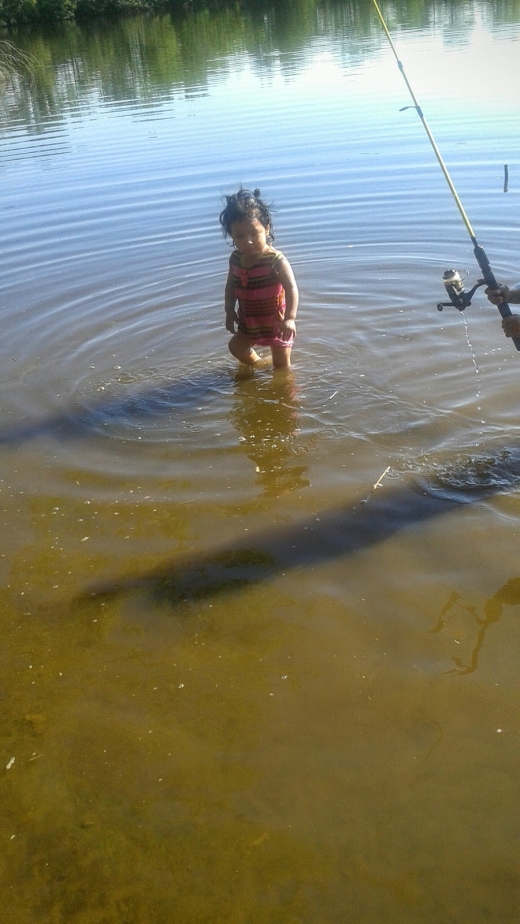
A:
{"x":12,"y":61}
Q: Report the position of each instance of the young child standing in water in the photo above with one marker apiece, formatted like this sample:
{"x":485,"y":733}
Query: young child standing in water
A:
{"x":261,"y":280}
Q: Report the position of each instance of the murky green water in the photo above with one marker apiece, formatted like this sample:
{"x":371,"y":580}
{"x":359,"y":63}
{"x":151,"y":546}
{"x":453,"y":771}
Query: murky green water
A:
{"x":239,"y":683}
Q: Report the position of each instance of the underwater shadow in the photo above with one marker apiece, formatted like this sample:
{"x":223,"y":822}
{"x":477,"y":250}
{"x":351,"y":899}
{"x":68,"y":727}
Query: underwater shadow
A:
{"x":313,"y":541}
{"x":80,"y":422}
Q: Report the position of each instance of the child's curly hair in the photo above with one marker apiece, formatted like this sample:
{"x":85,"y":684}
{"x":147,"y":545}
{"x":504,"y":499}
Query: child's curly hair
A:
{"x":246,"y":205}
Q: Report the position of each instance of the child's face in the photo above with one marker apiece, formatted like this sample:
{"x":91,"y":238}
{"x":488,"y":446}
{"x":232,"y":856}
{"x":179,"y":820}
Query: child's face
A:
{"x":249,"y":237}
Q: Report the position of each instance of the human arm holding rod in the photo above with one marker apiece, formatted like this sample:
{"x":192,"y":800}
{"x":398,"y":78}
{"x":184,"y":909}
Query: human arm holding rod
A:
{"x":511,"y":325}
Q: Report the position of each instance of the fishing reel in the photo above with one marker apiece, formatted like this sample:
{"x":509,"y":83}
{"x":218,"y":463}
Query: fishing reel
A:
{"x":454,"y":285}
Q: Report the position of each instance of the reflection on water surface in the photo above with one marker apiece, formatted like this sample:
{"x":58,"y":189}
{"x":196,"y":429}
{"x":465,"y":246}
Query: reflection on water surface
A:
{"x":240,"y":682}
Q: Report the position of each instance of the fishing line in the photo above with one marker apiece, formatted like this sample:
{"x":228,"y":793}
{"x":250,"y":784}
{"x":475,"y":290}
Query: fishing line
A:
{"x":453,"y":283}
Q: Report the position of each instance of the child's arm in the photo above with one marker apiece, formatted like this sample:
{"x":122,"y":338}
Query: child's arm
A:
{"x":229,"y":303}
{"x":286,"y":277}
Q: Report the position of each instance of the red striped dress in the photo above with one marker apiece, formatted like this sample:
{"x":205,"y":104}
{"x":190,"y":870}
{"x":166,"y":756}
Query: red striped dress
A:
{"x":261,"y":299}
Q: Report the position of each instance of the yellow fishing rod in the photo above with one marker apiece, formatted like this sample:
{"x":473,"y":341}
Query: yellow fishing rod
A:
{"x":453,"y":283}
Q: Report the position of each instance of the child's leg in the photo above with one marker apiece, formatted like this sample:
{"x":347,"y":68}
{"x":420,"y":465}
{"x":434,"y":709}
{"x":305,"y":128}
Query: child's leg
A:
{"x":240,"y":347}
{"x":281,"y":356}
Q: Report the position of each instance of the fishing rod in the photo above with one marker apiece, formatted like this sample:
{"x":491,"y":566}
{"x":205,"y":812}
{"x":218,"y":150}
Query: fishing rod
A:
{"x":452,"y":279}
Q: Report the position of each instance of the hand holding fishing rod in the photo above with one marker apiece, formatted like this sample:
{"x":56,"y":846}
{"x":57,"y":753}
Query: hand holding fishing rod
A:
{"x":510,"y":325}
{"x":453,"y":283}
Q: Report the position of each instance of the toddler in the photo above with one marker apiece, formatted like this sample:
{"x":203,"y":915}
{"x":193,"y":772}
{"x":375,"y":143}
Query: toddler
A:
{"x":261,"y":280}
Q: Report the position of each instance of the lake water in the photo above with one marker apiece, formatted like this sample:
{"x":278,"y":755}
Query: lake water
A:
{"x":239,"y":683}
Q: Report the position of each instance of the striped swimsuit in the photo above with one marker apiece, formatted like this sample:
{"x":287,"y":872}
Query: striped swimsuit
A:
{"x":261,"y":299}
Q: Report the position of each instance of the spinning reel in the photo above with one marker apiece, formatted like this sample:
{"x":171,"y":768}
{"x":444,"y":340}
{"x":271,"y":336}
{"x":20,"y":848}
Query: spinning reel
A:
{"x":454,"y":285}
{"x":459,"y":298}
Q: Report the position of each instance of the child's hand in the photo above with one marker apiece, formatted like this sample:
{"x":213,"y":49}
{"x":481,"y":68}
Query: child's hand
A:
{"x":231,"y":320}
{"x":287,"y":328}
